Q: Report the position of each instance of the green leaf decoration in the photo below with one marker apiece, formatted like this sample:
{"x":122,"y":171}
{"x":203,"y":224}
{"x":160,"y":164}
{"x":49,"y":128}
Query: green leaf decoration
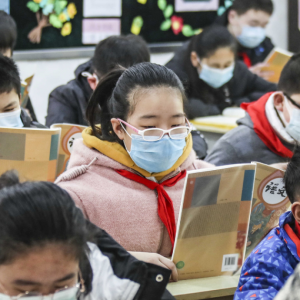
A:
{"x":166,"y":25}
{"x":138,"y":21}
{"x":55,"y":22}
{"x":198,"y":31}
{"x":228,"y":3}
{"x":162,"y":4}
{"x":59,"y":6}
{"x":34,"y":7}
{"x":187,"y":30}
{"x":221,"y":10}
{"x":168,"y":11}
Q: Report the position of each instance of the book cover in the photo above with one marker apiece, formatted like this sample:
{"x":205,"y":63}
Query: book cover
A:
{"x":213,"y":221}
{"x":32,"y":152}
{"x":69,"y":133}
{"x":269,"y":202}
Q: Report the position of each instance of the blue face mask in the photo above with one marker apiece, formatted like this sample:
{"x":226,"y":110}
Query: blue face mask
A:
{"x":158,"y":156}
{"x":216,"y":77}
{"x":11,"y":119}
{"x":293,"y":128}
{"x":251,"y":37}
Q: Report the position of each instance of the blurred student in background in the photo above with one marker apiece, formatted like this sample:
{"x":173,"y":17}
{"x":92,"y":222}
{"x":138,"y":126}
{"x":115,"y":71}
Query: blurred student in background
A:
{"x":67,"y":103}
{"x":50,"y":251}
{"x":213,"y":78}
{"x":247,"y":21}
{"x":127,"y":176}
{"x":11,"y":113}
{"x":274,"y":260}
{"x":271,"y":127}
{"x":8,"y":39}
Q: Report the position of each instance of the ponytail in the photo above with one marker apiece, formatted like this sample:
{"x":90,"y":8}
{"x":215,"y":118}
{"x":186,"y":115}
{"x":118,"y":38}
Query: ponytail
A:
{"x":99,"y":105}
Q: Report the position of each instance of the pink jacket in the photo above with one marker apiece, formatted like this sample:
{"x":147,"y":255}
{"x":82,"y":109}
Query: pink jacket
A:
{"x":127,"y":210}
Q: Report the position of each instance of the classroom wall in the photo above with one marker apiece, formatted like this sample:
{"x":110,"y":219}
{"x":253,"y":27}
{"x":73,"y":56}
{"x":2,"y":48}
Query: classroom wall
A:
{"x":52,"y":73}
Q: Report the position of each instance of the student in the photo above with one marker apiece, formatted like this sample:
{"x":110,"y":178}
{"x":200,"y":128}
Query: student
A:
{"x":272,"y":262}
{"x":67,"y":103}
{"x":247,"y":21}
{"x":8,"y":40}
{"x":128,"y":175}
{"x":49,"y":250}
{"x":271,"y":127}
{"x":11,"y":113}
{"x":213,"y":79}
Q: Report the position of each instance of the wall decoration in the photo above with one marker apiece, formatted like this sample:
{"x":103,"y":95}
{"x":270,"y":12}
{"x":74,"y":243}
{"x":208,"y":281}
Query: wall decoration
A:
{"x":4,"y":5}
{"x":102,"y":8}
{"x":196,"y":5}
{"x":222,"y":9}
{"x":56,"y":13}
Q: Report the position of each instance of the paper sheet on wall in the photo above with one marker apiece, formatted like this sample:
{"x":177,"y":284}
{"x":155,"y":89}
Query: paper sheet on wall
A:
{"x":196,"y":5}
{"x":4,"y":5}
{"x":96,"y":30}
{"x":102,"y":8}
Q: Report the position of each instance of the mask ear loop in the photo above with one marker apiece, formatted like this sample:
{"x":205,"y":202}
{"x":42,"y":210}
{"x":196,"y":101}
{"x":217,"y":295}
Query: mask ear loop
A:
{"x":124,"y":139}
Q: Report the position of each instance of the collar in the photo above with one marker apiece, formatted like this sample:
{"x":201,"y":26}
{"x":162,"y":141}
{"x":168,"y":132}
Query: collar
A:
{"x":277,"y":121}
{"x":117,"y":152}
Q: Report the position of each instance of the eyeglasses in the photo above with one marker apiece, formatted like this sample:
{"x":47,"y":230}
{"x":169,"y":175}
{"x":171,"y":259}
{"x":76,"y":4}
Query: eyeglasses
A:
{"x":65,"y":293}
{"x":156,"y":134}
{"x":293,"y":101}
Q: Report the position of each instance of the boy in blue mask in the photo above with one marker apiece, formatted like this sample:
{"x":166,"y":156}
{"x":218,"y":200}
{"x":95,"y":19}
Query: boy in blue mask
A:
{"x":11,"y":114}
{"x":271,"y":128}
{"x":247,"y":20}
{"x":274,"y":260}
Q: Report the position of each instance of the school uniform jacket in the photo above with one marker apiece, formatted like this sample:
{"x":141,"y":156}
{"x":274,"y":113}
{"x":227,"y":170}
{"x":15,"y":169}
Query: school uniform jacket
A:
{"x":204,"y":100}
{"x":271,"y":263}
{"x":117,"y":275}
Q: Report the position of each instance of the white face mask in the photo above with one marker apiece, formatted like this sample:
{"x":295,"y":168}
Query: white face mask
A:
{"x":251,"y":37}
{"x":216,"y":77}
{"x":293,"y":128}
{"x":11,"y":119}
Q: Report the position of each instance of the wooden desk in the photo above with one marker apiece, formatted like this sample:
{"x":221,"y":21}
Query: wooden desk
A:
{"x":205,"y":288}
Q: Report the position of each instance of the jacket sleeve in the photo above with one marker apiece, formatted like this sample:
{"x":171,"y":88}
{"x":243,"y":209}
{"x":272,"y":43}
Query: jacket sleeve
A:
{"x":60,"y":109}
{"x":264,"y":272}
{"x":254,"y":86}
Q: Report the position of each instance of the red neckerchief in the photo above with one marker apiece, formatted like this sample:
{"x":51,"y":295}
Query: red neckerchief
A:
{"x":246,"y":59}
{"x":165,"y":204}
{"x":297,"y":229}
{"x":263,"y":128}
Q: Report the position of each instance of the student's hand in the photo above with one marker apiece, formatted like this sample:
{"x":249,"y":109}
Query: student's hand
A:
{"x":159,"y":260}
{"x":258,"y":70}
{"x":281,"y":166}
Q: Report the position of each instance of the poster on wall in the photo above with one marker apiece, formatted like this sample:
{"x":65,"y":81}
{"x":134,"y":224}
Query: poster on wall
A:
{"x":103,"y":8}
{"x":95,"y":30}
{"x":4,"y":5}
{"x":196,"y":5}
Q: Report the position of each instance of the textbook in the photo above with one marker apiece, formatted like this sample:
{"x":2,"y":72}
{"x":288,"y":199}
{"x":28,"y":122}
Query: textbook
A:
{"x":277,"y":59}
{"x":30,"y":151}
{"x":269,"y":202}
{"x":213,"y":221}
{"x":69,"y":133}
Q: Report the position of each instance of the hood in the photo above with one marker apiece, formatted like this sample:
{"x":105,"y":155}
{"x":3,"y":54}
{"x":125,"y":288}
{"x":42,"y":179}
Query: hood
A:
{"x":114,"y":156}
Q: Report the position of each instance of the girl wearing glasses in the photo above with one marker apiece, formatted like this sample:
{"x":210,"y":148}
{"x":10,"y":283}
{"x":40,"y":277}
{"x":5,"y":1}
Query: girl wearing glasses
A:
{"x":49,"y":251}
{"x":127,"y":174}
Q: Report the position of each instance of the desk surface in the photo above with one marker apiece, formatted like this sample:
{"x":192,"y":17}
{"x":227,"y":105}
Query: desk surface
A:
{"x":204,"y":288}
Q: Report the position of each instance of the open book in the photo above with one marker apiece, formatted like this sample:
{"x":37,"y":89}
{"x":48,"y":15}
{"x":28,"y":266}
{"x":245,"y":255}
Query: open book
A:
{"x":32,"y":152}
{"x":217,"y":213}
{"x":69,"y":133}
{"x":270,"y":201}
{"x":277,"y":59}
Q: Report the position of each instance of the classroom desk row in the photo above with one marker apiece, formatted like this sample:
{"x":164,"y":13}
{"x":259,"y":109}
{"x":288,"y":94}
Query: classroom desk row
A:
{"x":215,"y":288}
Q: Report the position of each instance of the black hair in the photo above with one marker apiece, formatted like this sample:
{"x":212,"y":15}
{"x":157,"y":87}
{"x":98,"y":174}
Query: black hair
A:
{"x":242,"y":6}
{"x":8,"y":32}
{"x":113,"y":91}
{"x":9,"y":76}
{"x":125,"y":51}
{"x":289,"y":81}
{"x":211,"y":39}
{"x":34,"y":214}
{"x":292,"y":176}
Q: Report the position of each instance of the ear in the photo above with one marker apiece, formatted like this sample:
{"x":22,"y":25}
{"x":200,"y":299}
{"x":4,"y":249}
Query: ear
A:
{"x":92,"y":82}
{"x":117,"y":128}
{"x":194,"y":59}
{"x":296,"y":211}
{"x":232,"y":17}
{"x":279,"y":101}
